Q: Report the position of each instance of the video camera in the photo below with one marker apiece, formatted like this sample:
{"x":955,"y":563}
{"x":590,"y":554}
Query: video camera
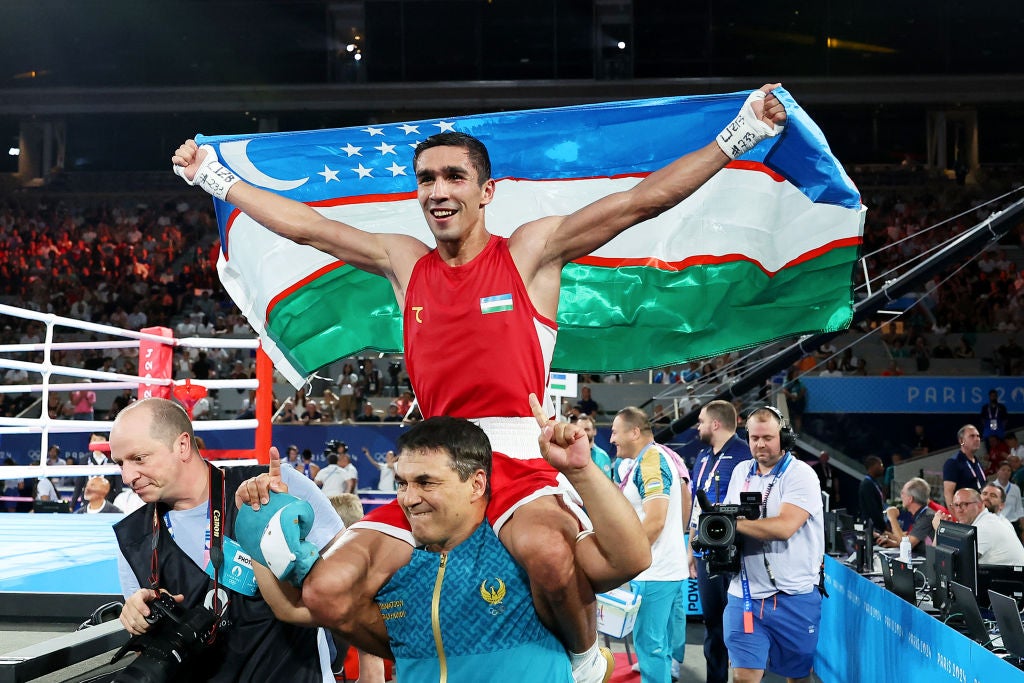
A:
{"x":335,"y":446}
{"x":716,"y":532}
{"x":175,"y":635}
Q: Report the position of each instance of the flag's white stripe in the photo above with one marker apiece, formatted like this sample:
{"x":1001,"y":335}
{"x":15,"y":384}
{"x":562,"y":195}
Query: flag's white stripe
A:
{"x":725,"y":216}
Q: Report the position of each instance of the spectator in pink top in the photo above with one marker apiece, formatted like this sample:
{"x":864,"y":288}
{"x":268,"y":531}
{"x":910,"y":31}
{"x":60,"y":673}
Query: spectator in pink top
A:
{"x":83,"y":402}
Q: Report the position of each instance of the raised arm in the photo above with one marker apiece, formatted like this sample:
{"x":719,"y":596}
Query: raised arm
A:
{"x":389,"y":255}
{"x":618,"y":549}
{"x":563,"y":239}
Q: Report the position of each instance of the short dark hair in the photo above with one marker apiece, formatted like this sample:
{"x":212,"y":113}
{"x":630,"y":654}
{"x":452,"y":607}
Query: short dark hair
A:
{"x":634,"y":417}
{"x":871,"y":461}
{"x":467,"y":445}
{"x":1002,"y":493}
{"x":724,"y":412}
{"x":478,"y":155}
{"x":332,"y":459}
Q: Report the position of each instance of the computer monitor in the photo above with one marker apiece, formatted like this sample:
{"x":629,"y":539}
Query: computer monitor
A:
{"x":963,"y":540}
{"x":966,"y":605}
{"x":898,"y":578}
{"x":836,"y":522}
{"x":1004,"y":608}
{"x":1005,"y":579}
{"x":935,"y":592}
{"x":863,"y":548}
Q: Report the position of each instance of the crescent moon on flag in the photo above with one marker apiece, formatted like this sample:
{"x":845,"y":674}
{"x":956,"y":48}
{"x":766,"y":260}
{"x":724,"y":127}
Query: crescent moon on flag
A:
{"x":234,"y":154}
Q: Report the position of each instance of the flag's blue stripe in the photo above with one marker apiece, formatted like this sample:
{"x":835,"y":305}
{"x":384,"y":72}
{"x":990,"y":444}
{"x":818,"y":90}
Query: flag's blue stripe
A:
{"x":596,"y":140}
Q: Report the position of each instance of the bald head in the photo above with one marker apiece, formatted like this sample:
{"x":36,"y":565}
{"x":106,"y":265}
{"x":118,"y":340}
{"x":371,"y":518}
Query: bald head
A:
{"x":167,"y":420}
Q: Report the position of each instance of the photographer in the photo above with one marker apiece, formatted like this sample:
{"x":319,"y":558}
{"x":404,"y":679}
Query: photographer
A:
{"x":189,"y":509}
{"x":774,"y":603}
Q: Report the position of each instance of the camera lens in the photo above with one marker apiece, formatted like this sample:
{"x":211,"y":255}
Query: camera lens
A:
{"x":716,"y":530}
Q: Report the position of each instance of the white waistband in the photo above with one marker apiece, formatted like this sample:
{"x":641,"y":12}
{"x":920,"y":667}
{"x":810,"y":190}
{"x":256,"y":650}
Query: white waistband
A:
{"x":516,"y":437}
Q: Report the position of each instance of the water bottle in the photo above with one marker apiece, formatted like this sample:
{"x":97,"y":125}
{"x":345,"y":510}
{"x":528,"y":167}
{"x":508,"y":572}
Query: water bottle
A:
{"x":905,"y":549}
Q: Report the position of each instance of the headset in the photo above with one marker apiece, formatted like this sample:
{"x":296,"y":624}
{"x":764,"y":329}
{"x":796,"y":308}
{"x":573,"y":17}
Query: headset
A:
{"x":787,"y":437}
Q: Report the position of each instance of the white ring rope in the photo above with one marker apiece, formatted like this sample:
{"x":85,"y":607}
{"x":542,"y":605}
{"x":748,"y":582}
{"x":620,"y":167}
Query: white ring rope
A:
{"x":44,"y":425}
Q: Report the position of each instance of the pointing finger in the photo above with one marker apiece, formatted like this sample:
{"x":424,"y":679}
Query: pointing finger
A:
{"x":275,"y":463}
{"x":538,"y":411}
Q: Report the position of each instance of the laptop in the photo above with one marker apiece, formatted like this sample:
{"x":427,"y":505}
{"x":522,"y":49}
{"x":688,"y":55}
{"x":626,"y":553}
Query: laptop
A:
{"x":1010,"y":627}
{"x":966,"y":605}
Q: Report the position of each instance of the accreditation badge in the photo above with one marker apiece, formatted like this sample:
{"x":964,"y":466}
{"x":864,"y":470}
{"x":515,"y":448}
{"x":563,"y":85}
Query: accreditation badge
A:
{"x":236,"y":573}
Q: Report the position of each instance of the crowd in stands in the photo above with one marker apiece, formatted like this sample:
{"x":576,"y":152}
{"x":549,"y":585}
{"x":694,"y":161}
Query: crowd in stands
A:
{"x":133,"y":264}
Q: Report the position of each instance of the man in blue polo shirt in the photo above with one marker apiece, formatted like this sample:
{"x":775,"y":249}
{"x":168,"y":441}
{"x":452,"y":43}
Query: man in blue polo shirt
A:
{"x":712,"y":471}
{"x":963,"y":471}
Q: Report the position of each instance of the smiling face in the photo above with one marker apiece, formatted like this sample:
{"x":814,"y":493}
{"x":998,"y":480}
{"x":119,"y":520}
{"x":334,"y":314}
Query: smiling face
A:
{"x":451,"y":193}
{"x":625,"y":438}
{"x":442,"y":509}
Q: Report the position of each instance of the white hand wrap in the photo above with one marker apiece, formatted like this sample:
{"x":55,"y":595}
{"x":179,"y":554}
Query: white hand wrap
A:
{"x":212,"y":175}
{"x":746,"y":130}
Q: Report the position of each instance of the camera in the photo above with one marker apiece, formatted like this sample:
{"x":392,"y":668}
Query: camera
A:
{"x":175,"y":635}
{"x":716,"y":532}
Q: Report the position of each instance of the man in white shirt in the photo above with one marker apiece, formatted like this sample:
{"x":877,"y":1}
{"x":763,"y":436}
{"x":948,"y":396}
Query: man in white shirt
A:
{"x":45,"y":490}
{"x":1013,"y":507}
{"x":781,"y":558}
{"x":335,"y":479}
{"x":997,"y":541}
{"x":656,"y":483}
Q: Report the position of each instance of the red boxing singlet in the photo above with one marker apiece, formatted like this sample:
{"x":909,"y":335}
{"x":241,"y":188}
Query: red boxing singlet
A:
{"x":475,"y":346}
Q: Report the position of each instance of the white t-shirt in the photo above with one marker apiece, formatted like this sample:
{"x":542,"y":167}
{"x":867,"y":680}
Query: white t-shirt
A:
{"x":997,"y":542}
{"x":128,"y":501}
{"x":653,"y":474}
{"x":1014,"y":507}
{"x":335,"y":479}
{"x":796,"y":562}
{"x":44,"y":487}
{"x":346,"y":383}
{"x":387,"y":478}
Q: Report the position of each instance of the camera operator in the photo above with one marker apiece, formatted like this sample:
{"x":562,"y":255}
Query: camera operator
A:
{"x":716,"y":427}
{"x":190,"y":512}
{"x":774,"y":611}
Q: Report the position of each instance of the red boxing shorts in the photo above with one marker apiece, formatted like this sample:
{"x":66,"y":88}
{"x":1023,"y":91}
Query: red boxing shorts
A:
{"x":514,"y":483}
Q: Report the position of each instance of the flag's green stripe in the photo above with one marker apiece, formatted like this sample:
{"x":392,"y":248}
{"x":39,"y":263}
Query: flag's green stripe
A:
{"x":610,"y":320}
{"x":339,"y":314}
{"x":633,"y":318}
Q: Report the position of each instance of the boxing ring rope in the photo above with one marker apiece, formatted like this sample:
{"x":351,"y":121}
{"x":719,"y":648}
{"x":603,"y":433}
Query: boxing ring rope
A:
{"x":99,"y":380}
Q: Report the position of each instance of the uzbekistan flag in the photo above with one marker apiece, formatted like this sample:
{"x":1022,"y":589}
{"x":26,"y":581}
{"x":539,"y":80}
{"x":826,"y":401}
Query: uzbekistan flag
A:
{"x":762,"y":251}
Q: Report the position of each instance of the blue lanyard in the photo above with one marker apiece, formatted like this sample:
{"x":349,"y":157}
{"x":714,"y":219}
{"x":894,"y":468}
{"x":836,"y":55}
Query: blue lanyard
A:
{"x":748,"y":603}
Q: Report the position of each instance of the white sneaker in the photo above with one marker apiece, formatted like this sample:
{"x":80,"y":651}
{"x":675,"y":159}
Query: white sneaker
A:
{"x":674,"y":670}
{"x":635,"y":667}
